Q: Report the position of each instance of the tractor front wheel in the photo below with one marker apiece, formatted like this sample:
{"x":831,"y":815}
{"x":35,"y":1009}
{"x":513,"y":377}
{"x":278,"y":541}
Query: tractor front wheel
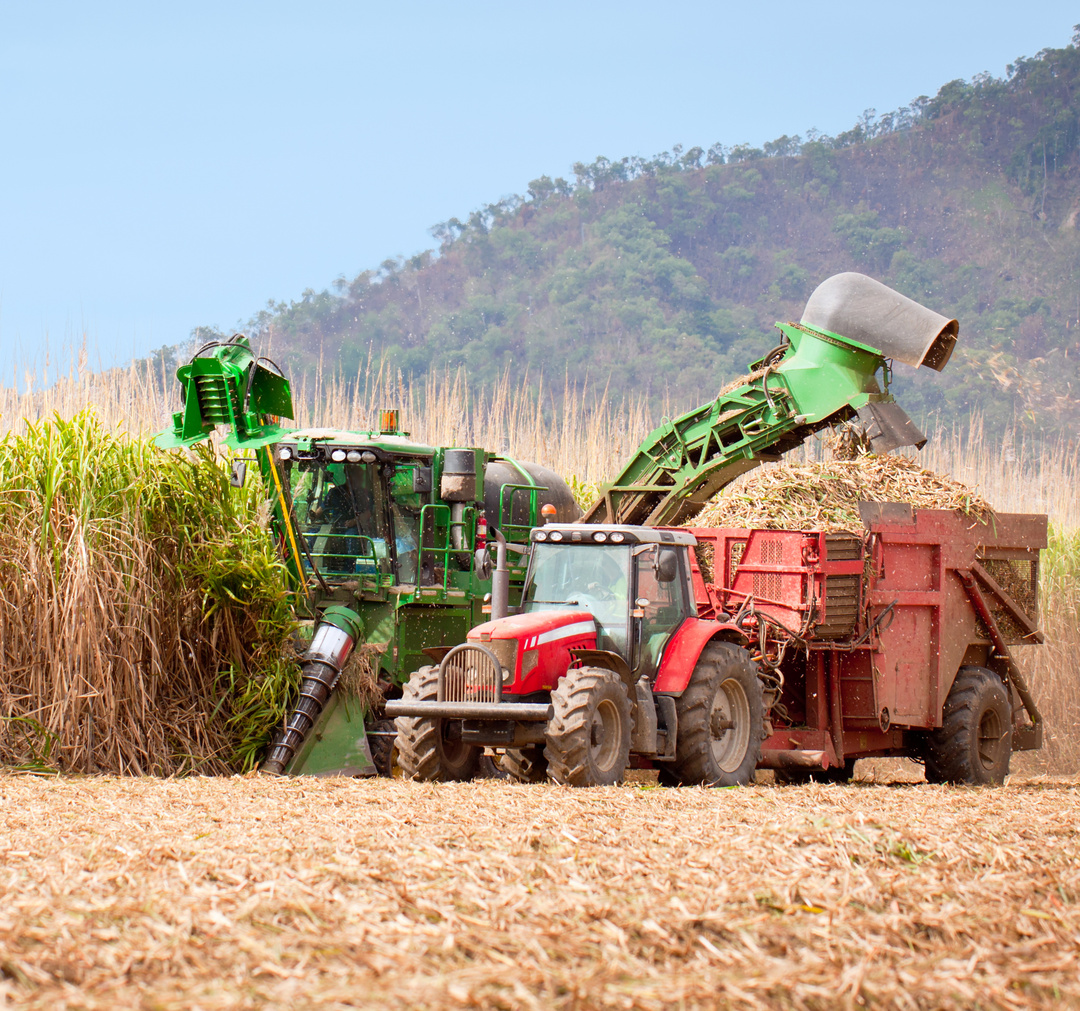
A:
{"x":588,"y":737}
{"x":721,"y":721}
{"x":974,"y":742}
{"x":424,"y":751}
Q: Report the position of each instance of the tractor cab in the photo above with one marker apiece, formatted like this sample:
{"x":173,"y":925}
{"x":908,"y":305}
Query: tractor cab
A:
{"x":634,"y":581}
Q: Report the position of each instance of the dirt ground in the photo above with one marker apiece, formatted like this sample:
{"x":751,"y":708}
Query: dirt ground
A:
{"x":249,"y":892}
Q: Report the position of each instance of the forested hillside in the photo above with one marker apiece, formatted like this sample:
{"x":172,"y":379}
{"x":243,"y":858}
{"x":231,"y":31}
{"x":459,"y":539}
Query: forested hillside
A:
{"x":666,"y":275}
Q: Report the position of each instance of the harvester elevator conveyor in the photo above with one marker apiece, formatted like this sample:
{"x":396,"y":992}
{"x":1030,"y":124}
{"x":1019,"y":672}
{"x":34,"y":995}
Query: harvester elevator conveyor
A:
{"x":824,"y":373}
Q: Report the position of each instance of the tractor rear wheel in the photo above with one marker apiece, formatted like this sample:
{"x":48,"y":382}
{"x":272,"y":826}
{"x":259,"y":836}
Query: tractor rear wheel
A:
{"x":974,"y":742}
{"x":424,"y":752}
{"x":588,"y":737}
{"x":721,"y":721}
{"x":526,"y":765}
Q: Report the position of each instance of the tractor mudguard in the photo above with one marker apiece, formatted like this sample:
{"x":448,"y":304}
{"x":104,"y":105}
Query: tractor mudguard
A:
{"x":681,"y":655}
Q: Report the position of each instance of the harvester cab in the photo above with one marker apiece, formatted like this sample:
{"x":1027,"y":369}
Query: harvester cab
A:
{"x":384,"y":539}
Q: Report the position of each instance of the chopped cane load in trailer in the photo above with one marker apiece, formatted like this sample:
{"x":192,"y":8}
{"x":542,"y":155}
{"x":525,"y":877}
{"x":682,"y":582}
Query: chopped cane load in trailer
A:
{"x":708,"y":653}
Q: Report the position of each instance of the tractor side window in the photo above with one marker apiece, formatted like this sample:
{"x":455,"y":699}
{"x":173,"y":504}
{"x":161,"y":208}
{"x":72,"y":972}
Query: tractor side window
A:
{"x":663,"y":601}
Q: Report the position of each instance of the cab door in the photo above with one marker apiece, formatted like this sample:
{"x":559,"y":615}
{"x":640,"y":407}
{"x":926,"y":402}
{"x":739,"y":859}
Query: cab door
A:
{"x":660,"y":603}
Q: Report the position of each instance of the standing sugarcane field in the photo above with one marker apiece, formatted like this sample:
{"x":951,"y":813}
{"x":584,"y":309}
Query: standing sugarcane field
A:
{"x":663,"y":594}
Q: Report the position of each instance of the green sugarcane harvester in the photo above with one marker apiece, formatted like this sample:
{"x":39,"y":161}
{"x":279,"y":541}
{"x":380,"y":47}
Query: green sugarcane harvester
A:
{"x":384,"y":540}
{"x":419,"y":594}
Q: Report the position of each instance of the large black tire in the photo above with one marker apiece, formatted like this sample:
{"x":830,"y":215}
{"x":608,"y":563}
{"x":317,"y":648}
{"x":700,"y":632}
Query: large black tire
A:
{"x":588,"y":737}
{"x":384,"y":750}
{"x":721,"y":721}
{"x":799,"y":777}
{"x":491,"y":767}
{"x":974,"y":742}
{"x":526,"y":765}
{"x":423,"y":750}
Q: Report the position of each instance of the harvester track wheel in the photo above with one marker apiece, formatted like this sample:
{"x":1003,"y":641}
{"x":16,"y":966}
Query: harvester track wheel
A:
{"x":974,"y":742}
{"x":526,"y":765}
{"x":721,"y":721}
{"x":424,"y":751}
{"x":588,"y":737}
{"x":384,"y":750}
{"x":799,"y":777}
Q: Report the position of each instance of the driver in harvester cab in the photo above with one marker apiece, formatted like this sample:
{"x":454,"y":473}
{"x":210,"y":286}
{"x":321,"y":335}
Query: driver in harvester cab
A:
{"x":349,"y":516}
{"x":343,"y":510}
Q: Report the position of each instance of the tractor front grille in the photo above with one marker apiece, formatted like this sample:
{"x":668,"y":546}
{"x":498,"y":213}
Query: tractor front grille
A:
{"x":470,"y":673}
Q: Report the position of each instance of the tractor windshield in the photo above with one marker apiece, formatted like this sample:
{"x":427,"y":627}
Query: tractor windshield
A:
{"x":341,"y":512}
{"x":583,"y":577}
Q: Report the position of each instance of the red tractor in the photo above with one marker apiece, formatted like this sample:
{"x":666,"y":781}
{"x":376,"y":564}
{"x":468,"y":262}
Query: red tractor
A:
{"x":607,"y":658}
{"x":709,"y":653}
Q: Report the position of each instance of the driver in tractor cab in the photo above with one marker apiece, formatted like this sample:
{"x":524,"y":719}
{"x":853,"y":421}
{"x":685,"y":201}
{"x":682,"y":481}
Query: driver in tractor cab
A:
{"x":352,"y":519}
{"x":590,"y":578}
{"x":605,"y":582}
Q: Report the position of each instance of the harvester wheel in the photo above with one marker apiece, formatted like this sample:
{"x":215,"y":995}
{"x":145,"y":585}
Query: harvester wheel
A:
{"x":384,"y":750}
{"x":423,"y":749}
{"x":526,"y":765}
{"x":799,"y":777}
{"x":974,"y":742}
{"x":588,"y":738}
{"x":491,"y":767}
{"x":721,"y":721}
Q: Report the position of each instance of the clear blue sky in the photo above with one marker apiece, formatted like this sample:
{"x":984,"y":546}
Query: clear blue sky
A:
{"x":170,"y":165}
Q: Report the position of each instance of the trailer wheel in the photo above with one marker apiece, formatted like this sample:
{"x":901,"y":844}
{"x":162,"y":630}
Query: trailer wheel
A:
{"x":423,"y":749}
{"x":526,"y":765}
{"x":974,"y":742}
{"x":588,"y":738}
{"x":721,"y":721}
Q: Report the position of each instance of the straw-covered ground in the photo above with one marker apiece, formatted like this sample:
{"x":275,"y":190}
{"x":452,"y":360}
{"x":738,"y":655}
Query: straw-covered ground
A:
{"x":245,"y":892}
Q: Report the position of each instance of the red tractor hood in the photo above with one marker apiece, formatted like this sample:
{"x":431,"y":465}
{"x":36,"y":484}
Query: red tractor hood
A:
{"x":539,"y":644}
{"x":551,"y":625}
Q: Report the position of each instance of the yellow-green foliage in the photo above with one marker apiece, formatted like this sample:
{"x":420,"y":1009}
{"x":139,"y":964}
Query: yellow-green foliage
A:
{"x":144,"y":620}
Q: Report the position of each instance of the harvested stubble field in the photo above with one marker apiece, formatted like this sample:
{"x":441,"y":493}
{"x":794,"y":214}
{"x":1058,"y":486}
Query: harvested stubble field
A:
{"x":247,"y":892}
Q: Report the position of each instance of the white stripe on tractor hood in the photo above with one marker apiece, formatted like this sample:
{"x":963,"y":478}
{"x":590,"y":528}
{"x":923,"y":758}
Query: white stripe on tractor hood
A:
{"x":566,"y":632}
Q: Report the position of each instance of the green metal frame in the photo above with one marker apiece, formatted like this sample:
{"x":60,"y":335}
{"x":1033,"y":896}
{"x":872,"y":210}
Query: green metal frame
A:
{"x":820,"y":378}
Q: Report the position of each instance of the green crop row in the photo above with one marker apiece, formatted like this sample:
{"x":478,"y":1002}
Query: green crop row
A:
{"x":145,"y":625}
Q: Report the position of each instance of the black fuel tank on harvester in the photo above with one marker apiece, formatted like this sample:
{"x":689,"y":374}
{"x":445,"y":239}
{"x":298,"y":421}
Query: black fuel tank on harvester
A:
{"x":509,"y":485}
